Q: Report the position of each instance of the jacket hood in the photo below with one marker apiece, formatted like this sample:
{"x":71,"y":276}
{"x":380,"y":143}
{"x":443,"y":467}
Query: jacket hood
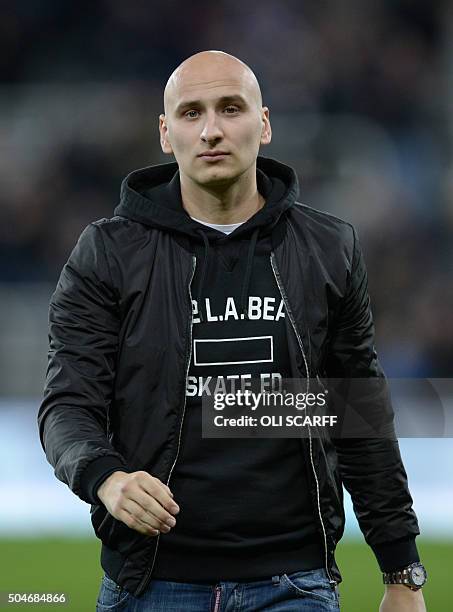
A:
{"x":152,"y":196}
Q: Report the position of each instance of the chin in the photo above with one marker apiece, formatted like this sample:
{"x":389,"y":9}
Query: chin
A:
{"x":218,"y":177}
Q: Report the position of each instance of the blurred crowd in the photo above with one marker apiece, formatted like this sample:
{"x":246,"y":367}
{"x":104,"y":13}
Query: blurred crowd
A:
{"x":360,"y":106}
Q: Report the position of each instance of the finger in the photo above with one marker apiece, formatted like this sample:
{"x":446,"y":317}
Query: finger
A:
{"x":156,"y":490}
{"x":136,"y":524}
{"x":146,"y":516}
{"x":146,"y":477}
{"x":151,"y":505}
{"x":153,"y":486}
{"x":163,"y":486}
{"x":166,"y":487}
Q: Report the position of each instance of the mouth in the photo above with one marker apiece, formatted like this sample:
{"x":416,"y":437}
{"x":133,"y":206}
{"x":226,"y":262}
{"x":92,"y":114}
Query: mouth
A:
{"x":212,"y":156}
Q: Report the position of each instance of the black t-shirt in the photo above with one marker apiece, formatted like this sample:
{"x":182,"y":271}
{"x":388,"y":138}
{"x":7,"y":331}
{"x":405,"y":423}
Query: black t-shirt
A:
{"x":245,"y":511}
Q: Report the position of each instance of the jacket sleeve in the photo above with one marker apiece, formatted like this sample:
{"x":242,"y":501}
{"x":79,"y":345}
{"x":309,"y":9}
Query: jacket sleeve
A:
{"x":83,"y":343}
{"x":371,"y":467}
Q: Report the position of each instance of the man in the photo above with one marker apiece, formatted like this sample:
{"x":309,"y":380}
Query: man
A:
{"x":173,"y":300}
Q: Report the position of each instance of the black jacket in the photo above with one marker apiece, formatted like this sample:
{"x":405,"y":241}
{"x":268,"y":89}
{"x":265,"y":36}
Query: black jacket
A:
{"x":120,"y":330}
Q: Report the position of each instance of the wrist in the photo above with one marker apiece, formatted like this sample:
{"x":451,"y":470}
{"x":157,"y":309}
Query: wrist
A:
{"x":400,"y":593}
{"x":96,"y":473}
{"x":401,"y":588}
{"x":412,"y":577}
{"x":104,"y":486}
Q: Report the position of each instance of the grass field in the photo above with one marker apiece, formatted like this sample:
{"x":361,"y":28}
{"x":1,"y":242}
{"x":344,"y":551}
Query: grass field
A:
{"x":72,"y":567}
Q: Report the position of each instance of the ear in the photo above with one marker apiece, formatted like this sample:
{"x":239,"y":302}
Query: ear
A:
{"x":163,"y":130}
{"x":266,"y":132}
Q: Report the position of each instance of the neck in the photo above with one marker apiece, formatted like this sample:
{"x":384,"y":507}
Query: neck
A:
{"x":231,"y":203}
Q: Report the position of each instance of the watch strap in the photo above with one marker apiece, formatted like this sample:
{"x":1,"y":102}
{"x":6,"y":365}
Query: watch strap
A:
{"x":402,"y":576}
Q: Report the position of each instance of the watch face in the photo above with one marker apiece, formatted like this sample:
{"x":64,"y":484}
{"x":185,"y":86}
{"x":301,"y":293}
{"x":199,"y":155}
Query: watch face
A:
{"x":418,"y":575}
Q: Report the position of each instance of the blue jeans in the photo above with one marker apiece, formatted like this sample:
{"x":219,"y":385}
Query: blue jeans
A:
{"x":307,"y":591}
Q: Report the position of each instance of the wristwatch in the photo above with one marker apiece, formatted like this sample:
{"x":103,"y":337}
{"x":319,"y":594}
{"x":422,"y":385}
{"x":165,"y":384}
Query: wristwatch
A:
{"x":413,"y":576}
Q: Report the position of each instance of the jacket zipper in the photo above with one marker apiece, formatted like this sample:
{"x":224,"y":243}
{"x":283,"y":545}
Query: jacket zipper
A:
{"x":145,"y":580}
{"x":218,"y":591}
{"x":299,"y":340}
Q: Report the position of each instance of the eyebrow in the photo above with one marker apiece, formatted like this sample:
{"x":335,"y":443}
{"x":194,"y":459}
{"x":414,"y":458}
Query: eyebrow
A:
{"x":234,"y":99}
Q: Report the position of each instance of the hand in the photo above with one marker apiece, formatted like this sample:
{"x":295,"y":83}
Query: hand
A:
{"x":399,"y":598}
{"x":139,"y":500}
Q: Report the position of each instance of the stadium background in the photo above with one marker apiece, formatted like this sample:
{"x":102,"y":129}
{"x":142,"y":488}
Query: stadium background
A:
{"x":361,"y":100}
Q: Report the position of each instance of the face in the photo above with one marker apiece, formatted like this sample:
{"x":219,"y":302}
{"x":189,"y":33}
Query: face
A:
{"x":214,"y":122}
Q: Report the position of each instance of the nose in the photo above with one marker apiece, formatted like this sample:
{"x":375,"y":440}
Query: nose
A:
{"x":212,"y":132}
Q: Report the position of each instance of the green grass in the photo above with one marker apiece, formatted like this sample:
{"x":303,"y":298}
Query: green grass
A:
{"x":72,"y":567}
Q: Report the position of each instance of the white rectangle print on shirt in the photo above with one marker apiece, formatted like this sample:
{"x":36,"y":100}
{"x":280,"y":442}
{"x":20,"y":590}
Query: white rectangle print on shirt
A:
{"x":254,"y":349}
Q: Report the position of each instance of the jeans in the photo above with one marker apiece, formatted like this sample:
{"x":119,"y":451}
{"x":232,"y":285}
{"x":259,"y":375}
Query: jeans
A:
{"x":307,"y":591}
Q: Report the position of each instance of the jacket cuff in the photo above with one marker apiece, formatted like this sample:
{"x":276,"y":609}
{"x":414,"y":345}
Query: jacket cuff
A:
{"x":95,"y":474}
{"x":395,"y":555}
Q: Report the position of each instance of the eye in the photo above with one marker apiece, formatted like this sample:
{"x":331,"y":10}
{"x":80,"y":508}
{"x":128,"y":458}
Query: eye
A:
{"x":191,"y":114}
{"x":231,"y":110}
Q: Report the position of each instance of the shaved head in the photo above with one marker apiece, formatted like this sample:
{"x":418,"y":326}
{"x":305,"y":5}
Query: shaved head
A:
{"x":210,"y":67}
{"x":214,"y":121}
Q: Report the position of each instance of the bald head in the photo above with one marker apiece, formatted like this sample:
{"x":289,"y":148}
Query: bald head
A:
{"x":214,"y":121}
{"x":210,"y":70}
